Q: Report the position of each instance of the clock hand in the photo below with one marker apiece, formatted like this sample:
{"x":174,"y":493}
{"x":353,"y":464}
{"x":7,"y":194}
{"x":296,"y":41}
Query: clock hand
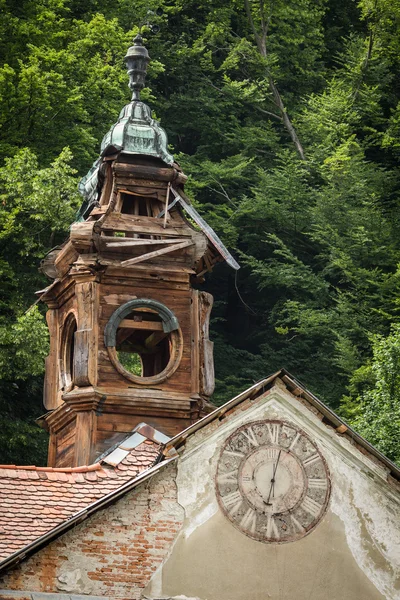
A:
{"x":268,"y":503}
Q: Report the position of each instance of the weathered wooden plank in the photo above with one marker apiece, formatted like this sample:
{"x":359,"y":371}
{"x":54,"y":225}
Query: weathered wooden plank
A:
{"x":170,"y":424}
{"x":157,"y":173}
{"x":124,"y":242}
{"x":81,"y":358}
{"x":81,"y":235}
{"x":86,"y":338}
{"x":52,"y":451}
{"x":150,"y":193}
{"x":106,"y":366}
{"x":107,"y":187}
{"x":99,"y":210}
{"x":207,"y":378}
{"x":178,"y":383}
{"x":143,"y":286}
{"x":136,"y":183}
{"x":154,"y":339}
{"x":117,"y":421}
{"x":67,"y":255}
{"x":170,"y":427}
{"x":148,"y":325}
{"x":177,"y":303}
{"x":65,"y":457}
{"x":147,"y":225}
{"x":64,"y":446}
{"x":156,"y":253}
{"x":194,"y":342}
{"x":51,"y":397}
{"x":133,"y":395}
{"x":151,"y":285}
{"x":85,"y":436}
{"x":182,"y":259}
{"x":169,"y":272}
{"x":115,"y":299}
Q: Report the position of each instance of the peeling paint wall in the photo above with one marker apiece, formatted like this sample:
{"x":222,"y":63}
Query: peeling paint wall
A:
{"x":112,"y":554}
{"x":354,"y":553}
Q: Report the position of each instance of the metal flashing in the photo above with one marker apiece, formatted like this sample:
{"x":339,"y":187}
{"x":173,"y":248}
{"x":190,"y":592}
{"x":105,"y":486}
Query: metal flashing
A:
{"x":169,"y":320}
{"x":140,"y":434}
{"x":204,"y":226}
{"x":132,"y":442}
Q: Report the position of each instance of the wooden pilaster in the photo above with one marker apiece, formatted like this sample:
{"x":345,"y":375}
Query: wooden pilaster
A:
{"x":86,"y":337}
{"x":51,"y":395}
{"x":84,"y":438}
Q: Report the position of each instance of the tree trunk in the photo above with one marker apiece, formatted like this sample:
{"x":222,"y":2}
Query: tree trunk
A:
{"x":261,"y":41}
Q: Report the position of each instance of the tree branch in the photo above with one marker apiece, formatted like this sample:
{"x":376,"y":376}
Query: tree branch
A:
{"x":253,"y":105}
{"x":250,"y":18}
{"x":262,"y":48}
{"x":223,"y":192}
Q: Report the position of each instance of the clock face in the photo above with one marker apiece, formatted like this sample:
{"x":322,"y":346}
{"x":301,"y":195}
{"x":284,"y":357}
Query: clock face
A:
{"x":272,"y":482}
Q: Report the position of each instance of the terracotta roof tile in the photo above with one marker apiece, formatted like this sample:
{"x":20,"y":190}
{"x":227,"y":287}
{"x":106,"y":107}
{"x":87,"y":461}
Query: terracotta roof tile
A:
{"x":34,"y":500}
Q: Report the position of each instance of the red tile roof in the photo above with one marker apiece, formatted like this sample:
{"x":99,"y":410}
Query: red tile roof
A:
{"x":33,"y":500}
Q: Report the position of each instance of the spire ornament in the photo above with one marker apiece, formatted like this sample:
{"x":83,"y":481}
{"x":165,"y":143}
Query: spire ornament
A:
{"x":135,"y":132}
{"x":137,"y":58}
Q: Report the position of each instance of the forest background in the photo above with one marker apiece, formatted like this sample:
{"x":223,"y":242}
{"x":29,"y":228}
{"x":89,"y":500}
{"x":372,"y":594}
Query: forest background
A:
{"x":286,"y":116}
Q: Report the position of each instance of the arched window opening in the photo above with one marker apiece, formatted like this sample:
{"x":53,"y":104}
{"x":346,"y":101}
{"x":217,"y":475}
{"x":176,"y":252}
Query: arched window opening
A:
{"x":67,"y":352}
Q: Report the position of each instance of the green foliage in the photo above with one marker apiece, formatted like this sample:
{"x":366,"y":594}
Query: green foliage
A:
{"x":22,"y":440}
{"x":318,"y":239}
{"x":131,"y":362}
{"x":23,"y":346}
{"x":375,"y":411}
{"x":36,"y":207}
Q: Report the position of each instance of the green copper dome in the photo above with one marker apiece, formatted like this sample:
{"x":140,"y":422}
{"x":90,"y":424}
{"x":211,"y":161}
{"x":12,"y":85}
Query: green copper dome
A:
{"x":135,"y":132}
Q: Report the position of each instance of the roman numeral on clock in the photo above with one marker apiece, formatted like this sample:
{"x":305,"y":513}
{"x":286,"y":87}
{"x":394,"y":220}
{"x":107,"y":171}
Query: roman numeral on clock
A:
{"x":310,"y":506}
{"x":230,"y":477}
{"x":250,"y":436}
{"x":274,"y":431}
{"x":272,"y":529}
{"x":272,"y":453}
{"x":295,"y":440}
{"x":233,"y":453}
{"x":317,"y":484}
{"x":311,"y":460}
{"x":233,"y":501}
{"x":249,"y":520}
{"x":297,"y":524}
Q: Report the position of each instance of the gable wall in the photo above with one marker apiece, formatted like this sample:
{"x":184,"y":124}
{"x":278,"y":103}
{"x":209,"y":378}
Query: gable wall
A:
{"x":352,"y":554}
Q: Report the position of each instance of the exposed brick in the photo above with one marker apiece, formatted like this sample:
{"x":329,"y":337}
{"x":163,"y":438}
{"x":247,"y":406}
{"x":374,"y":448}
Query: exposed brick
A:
{"x":117,"y":561}
{"x":33,"y":500}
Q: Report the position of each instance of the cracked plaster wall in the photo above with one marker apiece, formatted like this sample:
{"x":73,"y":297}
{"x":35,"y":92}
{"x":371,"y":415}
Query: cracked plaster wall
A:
{"x":354,"y":553}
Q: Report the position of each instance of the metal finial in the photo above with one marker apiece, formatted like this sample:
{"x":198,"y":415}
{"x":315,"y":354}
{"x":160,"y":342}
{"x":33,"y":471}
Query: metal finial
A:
{"x":137,"y":59}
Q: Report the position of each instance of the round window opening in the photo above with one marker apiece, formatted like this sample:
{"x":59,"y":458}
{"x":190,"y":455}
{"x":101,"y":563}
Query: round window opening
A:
{"x":144,"y":341}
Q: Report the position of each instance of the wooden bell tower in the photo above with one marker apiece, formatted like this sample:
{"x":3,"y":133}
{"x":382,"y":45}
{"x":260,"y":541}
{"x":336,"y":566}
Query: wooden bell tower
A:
{"x":128,"y":332}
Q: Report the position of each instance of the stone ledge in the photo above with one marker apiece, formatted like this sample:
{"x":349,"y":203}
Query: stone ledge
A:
{"x":26,"y":595}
